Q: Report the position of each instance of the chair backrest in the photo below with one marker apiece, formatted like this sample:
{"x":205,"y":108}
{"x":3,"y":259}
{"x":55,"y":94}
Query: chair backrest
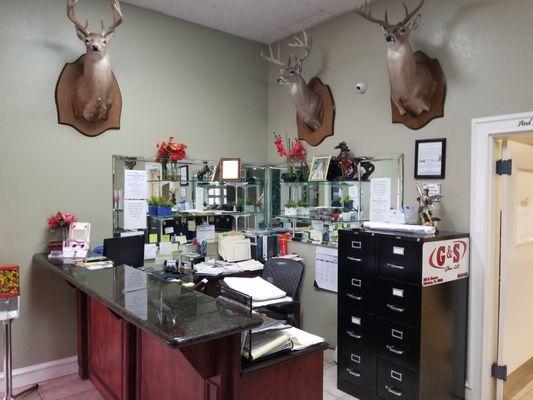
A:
{"x":285,"y":274}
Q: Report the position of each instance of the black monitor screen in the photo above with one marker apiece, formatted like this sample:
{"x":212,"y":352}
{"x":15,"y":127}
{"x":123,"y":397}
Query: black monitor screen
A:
{"x":125,"y":250}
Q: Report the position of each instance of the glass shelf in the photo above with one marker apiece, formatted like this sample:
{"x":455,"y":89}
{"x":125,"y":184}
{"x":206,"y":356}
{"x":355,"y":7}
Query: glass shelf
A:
{"x":329,"y":220}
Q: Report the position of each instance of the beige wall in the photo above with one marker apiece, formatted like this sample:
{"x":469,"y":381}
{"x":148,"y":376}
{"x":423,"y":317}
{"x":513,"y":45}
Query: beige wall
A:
{"x":204,"y":87}
{"x":483,"y":47}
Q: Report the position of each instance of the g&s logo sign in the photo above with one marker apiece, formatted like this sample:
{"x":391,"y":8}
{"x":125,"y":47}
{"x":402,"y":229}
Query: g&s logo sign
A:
{"x":445,"y":261}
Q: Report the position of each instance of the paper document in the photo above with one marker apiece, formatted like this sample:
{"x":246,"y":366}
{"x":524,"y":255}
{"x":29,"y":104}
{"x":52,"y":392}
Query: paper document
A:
{"x":205,"y":233}
{"x":135,"y":214}
{"x":134,"y":279}
{"x":327,"y":268}
{"x":380,"y":199}
{"x":257,"y":288}
{"x":135,"y":185}
{"x":302,"y":339}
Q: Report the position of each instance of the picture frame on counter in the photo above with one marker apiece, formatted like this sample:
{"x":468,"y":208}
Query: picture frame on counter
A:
{"x":430,"y":159}
{"x":319,"y":168}
{"x":230,"y":169}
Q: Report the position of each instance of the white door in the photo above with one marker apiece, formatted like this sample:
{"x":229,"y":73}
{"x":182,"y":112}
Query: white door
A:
{"x":515,"y":346}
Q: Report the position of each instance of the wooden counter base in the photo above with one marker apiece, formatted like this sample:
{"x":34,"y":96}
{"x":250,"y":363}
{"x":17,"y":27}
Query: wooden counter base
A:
{"x":126,"y":363}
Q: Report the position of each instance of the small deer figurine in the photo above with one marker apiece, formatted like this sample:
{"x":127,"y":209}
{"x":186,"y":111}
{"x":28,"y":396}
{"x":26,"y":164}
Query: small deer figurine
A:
{"x":411,"y":83}
{"x":92,"y":95}
{"x":308,"y":104}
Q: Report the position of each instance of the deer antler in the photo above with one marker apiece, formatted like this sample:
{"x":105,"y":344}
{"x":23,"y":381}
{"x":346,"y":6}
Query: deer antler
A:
{"x":271,"y":58}
{"x":306,"y":44}
{"x":365,"y":11}
{"x":409,"y":15}
{"x":71,"y":14}
{"x":118,"y":17}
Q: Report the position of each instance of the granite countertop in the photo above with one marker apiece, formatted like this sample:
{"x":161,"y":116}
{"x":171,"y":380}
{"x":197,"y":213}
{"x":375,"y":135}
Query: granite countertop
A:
{"x":177,"y":315}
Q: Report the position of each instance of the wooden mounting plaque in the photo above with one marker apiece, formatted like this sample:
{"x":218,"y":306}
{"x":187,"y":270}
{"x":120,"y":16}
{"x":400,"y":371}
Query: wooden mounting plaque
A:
{"x":437,"y":106}
{"x":65,"y":112}
{"x":314,"y":138}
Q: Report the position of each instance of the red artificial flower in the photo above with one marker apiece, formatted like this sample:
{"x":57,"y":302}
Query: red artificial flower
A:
{"x":280,"y":147}
{"x":174,"y":151}
{"x":60,"y":220}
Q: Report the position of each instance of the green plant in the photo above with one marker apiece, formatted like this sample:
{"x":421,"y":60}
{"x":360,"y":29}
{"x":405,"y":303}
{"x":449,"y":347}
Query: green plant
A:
{"x":153,"y":201}
{"x":291,"y":204}
{"x":348,"y":199}
{"x":303,"y":203}
{"x":159,"y":202}
{"x":336,"y":202}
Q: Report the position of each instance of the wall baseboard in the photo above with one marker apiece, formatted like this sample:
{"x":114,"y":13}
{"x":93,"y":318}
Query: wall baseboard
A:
{"x":42,"y":372}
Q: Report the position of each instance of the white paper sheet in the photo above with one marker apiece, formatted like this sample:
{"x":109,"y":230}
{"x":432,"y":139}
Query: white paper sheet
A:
{"x":429,"y":159}
{"x":135,"y":185}
{"x":137,"y":303}
{"x":150,"y":251}
{"x":135,"y":214}
{"x":327,"y":268}
{"x":205,"y":233}
{"x":199,"y":198}
{"x":134,"y":279}
{"x":380,"y":199}
{"x":165,"y":249}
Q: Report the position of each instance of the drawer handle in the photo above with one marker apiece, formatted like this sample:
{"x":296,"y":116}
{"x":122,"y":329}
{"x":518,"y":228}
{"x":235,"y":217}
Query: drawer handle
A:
{"x":354,"y":297}
{"x":393,"y":391}
{"x":359,"y":260}
{"x":353,"y":373}
{"x":394,"y":308}
{"x":355,"y":336}
{"x":400,"y":267}
{"x":394,"y":350}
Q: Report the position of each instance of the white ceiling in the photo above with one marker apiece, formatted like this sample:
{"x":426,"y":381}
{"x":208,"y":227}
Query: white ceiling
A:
{"x":264,"y":21}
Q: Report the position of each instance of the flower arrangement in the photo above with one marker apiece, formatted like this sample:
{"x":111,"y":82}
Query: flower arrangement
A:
{"x":170,"y":150}
{"x":294,"y":152}
{"x":61,"y":220}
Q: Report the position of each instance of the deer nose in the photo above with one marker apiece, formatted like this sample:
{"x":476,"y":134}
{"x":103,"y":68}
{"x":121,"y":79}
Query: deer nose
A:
{"x":96,"y":48}
{"x":389,"y":38}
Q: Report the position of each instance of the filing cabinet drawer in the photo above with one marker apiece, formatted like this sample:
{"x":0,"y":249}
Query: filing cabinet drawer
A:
{"x":358,"y":252}
{"x":395,"y":382}
{"x":357,"y":367}
{"x":358,"y":291}
{"x":357,"y":328}
{"x":400,"y":259}
{"x":399,"y":301}
{"x":399,"y":344}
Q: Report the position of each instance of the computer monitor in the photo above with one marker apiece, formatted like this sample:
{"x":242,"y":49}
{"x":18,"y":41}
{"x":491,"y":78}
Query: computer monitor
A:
{"x":127,"y":250}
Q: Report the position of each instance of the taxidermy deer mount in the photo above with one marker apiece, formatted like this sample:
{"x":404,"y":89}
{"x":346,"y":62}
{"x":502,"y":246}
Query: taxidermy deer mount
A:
{"x":417,"y":82}
{"x":88,"y":95}
{"x":315,"y":109}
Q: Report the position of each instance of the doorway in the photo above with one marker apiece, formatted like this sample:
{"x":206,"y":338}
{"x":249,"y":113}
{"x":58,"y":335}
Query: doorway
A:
{"x":515,"y":310}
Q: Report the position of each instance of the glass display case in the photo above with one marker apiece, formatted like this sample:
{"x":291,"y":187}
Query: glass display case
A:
{"x":315,"y":211}
{"x":188,"y":193}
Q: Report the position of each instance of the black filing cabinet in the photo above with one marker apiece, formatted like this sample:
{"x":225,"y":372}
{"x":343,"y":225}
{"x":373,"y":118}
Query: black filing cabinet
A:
{"x":402,"y":314}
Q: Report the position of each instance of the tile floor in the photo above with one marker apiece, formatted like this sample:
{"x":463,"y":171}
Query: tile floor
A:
{"x":73,"y":388}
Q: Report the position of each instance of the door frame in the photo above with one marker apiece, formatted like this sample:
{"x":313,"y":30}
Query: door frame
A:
{"x":483,"y":321}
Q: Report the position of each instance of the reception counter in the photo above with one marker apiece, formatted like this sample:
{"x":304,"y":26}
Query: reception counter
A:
{"x":143,"y":338}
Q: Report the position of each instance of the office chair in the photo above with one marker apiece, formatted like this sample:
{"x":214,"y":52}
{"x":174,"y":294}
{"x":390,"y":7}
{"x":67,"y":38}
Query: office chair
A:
{"x":286,"y":275}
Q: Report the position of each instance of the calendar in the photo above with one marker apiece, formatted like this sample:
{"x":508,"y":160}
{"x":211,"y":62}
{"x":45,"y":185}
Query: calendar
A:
{"x":327,"y":268}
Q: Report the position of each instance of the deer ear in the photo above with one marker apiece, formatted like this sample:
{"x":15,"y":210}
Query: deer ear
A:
{"x":414,"y":24}
{"x":109,"y":36}
{"x":81,"y":34}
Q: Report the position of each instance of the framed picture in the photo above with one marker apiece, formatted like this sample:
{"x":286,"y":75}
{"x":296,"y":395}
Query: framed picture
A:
{"x":430,"y":159}
{"x":184,"y":175}
{"x":319,"y":168}
{"x":230,"y":169}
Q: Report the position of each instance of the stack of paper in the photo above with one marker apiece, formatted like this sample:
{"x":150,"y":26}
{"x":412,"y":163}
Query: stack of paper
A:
{"x":250,"y":265}
{"x":263,"y":293}
{"x":265,"y":344}
{"x":270,"y":325}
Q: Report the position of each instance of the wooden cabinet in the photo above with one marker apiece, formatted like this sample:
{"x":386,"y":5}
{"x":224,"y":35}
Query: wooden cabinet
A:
{"x":399,"y":338}
{"x":110,"y":357}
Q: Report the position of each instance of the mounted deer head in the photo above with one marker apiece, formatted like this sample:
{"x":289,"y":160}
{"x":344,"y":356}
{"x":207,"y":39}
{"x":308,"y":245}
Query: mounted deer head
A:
{"x":412,"y":84}
{"x":92,"y":94}
{"x":308,"y":103}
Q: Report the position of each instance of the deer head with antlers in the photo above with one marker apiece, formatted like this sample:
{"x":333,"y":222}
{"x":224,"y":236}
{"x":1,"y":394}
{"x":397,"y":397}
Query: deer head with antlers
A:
{"x":308,"y":103}
{"x":411,"y":83}
{"x":92,"y":94}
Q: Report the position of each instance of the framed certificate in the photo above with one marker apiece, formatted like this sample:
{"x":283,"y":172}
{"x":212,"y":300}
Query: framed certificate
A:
{"x":430,"y":159}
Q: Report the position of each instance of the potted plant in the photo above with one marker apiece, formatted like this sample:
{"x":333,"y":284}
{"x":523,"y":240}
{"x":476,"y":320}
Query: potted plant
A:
{"x":303,"y":208}
{"x":164,"y":208}
{"x":250,"y":206}
{"x":239,"y":205}
{"x":348,"y":203}
{"x":60,"y":224}
{"x":295,"y":153}
{"x":170,"y":151}
{"x":291,"y":209}
{"x":153,"y":203}
{"x":337,"y":202}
